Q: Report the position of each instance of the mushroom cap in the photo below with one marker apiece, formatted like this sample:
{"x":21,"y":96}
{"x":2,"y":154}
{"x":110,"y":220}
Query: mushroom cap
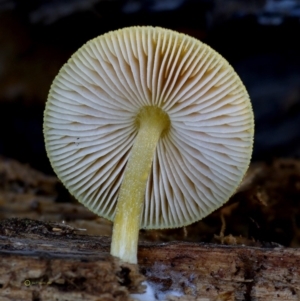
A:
{"x":90,"y":123}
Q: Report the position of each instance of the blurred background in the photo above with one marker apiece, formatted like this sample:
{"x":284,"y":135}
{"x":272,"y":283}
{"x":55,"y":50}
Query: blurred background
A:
{"x":260,"y":38}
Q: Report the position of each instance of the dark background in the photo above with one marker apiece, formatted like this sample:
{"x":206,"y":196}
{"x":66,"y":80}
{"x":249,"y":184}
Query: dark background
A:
{"x":260,"y":38}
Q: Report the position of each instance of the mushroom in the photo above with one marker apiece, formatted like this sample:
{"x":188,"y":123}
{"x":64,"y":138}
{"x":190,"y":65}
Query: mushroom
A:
{"x":149,"y":128}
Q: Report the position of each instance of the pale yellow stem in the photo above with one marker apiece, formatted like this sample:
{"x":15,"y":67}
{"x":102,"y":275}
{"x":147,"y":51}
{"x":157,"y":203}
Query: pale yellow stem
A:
{"x":152,"y":121}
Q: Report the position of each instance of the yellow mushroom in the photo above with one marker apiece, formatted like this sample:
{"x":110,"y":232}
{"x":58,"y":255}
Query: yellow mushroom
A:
{"x":149,"y":128}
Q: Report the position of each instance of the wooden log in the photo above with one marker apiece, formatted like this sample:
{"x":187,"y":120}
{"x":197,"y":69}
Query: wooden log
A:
{"x":62,"y":264}
{"x":218,"y":272}
{"x":48,"y":261}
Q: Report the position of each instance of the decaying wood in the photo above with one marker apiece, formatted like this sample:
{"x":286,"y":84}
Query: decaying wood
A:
{"x":59,"y":261}
{"x":46,"y":261}
{"x":215,"y":272}
{"x":40,"y":262}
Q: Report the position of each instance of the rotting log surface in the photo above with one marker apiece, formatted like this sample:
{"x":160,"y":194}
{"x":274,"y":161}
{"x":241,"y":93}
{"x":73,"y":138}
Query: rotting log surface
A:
{"x":62,"y":265}
{"x":218,"y":272}
{"x":46,"y":261}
